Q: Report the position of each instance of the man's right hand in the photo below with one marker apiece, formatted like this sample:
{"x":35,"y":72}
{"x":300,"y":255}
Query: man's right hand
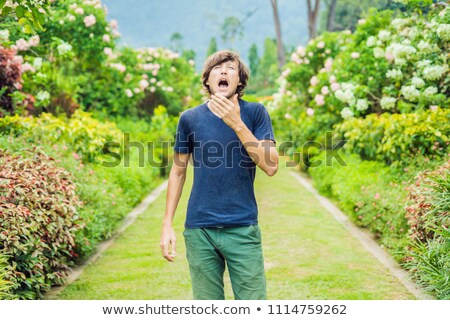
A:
{"x":168,"y":243}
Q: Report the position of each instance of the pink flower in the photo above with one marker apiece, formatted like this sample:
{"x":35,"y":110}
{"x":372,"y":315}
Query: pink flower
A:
{"x":64,"y":147}
{"x":377,"y":196}
{"x":76,"y":156}
{"x":22,"y":44}
{"x":332,"y":79}
{"x":27,"y":67}
{"x":108,"y":51}
{"x":89,"y":20}
{"x":113,"y":203}
{"x":143,"y":84}
{"x":314,"y":81}
{"x":321,"y":45}
{"x":335,"y":86}
{"x":324,"y":90}
{"x":79,"y":11}
{"x":103,"y":181}
{"x":434,"y":108}
{"x":355,"y":55}
{"x":113,"y":24}
{"x":328,"y":64}
{"x":106,"y":38}
{"x":34,"y":41}
{"x":310,"y":112}
{"x":389,"y":56}
{"x":319,"y":99}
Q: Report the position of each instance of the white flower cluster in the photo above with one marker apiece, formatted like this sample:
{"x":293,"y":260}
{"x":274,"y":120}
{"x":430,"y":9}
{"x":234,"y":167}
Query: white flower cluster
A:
{"x":384,"y":35}
{"x":394,"y":74}
{"x":346,"y":113}
{"x":371,"y":41}
{"x":401,"y":51}
{"x":434,"y":72}
{"x":345,"y":94}
{"x":443,"y":31}
{"x":410,"y":92}
{"x":399,"y":23}
{"x":387,"y":103}
{"x":430,"y":91}
{"x":362,"y":104}
{"x":64,"y":48}
{"x":378,"y":53}
{"x":42,"y":95}
{"x":417,"y":82}
{"x":426,"y":47}
{"x":4,"y":35}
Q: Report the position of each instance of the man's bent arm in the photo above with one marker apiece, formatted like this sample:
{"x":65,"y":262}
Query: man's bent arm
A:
{"x":177,"y":177}
{"x":263,"y":152}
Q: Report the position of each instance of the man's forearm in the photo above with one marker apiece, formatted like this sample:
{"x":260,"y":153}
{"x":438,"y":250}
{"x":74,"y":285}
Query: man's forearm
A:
{"x":264,"y":155}
{"x":174,"y":190}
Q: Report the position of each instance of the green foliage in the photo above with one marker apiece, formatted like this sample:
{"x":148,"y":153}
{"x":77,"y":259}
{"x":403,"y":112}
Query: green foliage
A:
{"x":30,"y":14}
{"x":85,"y":135}
{"x":427,"y":213}
{"x":39,"y":221}
{"x":212,"y":47}
{"x":253,"y":60}
{"x":396,"y":137}
{"x":369,"y":192}
{"x":264,"y":80}
{"x":5,"y":286}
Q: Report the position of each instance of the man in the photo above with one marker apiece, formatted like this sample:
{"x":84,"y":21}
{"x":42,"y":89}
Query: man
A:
{"x":227,"y":137}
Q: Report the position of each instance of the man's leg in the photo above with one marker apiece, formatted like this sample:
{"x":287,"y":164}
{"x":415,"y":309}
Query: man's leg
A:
{"x":242,"y":250}
{"x":206,"y":264}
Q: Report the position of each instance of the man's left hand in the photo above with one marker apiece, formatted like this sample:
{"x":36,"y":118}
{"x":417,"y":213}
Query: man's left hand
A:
{"x":229,"y":110}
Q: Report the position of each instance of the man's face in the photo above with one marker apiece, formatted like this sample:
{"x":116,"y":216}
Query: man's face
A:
{"x":224,"y":79}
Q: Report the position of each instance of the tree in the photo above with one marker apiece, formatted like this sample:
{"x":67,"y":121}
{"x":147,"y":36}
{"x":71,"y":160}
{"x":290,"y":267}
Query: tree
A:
{"x":331,"y":14}
{"x":312,"y":18}
{"x":212,"y":46}
{"x":176,"y":42}
{"x":232,"y":27}
{"x":253,"y":60}
{"x":280,"y":48}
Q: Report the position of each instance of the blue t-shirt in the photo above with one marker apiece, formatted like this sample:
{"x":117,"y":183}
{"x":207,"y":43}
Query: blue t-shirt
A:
{"x":222,"y":193}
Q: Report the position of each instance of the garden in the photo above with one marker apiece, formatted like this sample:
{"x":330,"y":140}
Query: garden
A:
{"x":77,"y":112}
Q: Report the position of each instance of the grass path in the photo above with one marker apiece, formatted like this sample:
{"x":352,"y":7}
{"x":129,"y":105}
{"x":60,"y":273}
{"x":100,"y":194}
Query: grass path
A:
{"x":308,"y":254}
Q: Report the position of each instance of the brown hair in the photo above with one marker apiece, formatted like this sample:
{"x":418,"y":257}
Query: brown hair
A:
{"x":224,"y":56}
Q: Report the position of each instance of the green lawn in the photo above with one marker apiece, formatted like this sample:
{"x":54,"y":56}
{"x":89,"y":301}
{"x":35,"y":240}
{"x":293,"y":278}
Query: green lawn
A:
{"x":308,"y":254}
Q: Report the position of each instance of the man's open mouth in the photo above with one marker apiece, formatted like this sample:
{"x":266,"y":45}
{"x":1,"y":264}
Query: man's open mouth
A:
{"x":223,"y":84}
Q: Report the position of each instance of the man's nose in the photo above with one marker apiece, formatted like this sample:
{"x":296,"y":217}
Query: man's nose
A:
{"x":224,"y":69}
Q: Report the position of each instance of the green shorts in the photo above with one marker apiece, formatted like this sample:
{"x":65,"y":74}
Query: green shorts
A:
{"x":207,"y":251}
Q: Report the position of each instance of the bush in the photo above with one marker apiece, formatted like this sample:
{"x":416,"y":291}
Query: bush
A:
{"x":5,"y":286}
{"x":397,"y":137}
{"x":428,"y":215}
{"x":370,"y":194}
{"x":85,"y":135}
{"x":39,"y":221}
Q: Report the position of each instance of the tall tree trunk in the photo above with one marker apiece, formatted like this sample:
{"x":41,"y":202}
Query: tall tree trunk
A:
{"x":312,"y":18}
{"x":331,"y":13}
{"x":280,"y":48}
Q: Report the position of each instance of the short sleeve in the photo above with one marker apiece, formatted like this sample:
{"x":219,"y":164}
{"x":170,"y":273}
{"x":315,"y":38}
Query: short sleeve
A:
{"x":183,"y":142}
{"x":262,"y":125}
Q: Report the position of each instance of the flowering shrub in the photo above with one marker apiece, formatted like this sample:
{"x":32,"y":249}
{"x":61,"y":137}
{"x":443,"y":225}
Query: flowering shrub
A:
{"x":398,"y":137}
{"x":85,"y":135}
{"x":38,"y":222}
{"x":74,"y":64}
{"x":429,"y":219}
